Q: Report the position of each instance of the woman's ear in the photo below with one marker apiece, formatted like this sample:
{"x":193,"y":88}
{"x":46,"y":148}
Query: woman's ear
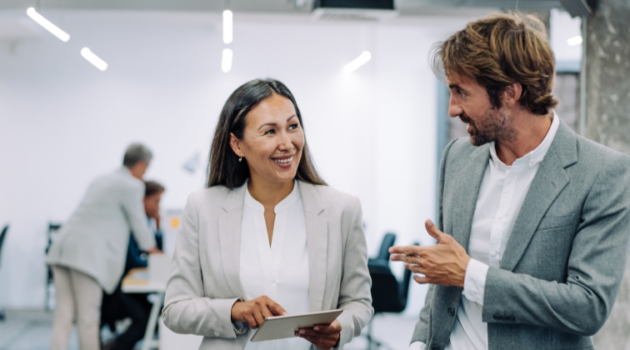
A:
{"x":236,"y":145}
{"x":511,"y":94}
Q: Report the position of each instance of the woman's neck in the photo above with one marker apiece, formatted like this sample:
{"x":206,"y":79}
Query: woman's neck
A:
{"x":269,"y":194}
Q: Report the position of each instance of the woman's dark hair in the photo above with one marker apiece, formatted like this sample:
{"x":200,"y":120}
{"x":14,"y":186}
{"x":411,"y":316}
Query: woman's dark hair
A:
{"x":152,"y":187}
{"x":223,"y":166}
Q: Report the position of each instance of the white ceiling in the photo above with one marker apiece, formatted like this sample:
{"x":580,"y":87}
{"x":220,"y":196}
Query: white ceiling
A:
{"x":15,"y":25}
{"x":274,"y":6}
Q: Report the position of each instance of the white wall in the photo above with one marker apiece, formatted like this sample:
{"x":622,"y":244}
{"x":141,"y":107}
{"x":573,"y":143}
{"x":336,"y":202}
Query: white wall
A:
{"x":63,"y":122}
{"x":563,"y":27}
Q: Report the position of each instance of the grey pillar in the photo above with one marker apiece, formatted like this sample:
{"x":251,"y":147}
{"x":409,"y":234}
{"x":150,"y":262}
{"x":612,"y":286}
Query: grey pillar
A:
{"x":608,"y":122}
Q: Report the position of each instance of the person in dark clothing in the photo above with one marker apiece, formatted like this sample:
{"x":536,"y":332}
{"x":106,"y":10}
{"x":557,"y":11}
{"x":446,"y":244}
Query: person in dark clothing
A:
{"x":118,"y":305}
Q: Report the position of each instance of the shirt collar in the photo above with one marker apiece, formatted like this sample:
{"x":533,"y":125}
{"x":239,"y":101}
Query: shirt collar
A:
{"x":286,"y":203}
{"x":126,"y":171}
{"x":537,"y":155}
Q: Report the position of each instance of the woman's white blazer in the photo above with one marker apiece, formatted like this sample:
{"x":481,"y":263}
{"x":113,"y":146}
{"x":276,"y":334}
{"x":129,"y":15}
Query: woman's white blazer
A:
{"x":205,"y":282}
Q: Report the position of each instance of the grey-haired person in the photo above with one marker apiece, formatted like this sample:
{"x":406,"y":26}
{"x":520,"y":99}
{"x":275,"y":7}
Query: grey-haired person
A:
{"x":88,"y":256}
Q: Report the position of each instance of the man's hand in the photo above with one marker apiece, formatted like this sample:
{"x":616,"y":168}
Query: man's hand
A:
{"x":322,"y":336}
{"x":256,"y":311}
{"x":154,"y":213}
{"x":155,"y":250}
{"x":444,"y":263}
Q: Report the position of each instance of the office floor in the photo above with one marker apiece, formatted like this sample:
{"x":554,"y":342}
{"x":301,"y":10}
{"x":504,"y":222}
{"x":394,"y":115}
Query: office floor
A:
{"x":31,"y":329}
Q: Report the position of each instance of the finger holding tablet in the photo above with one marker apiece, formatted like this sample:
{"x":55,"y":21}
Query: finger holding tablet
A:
{"x":255,"y":311}
{"x":322,"y":336}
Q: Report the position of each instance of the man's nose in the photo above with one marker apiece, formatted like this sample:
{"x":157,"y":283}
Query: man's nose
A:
{"x":454,"y":109}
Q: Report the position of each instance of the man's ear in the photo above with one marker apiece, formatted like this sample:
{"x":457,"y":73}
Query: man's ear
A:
{"x":235,"y":143}
{"x":511,"y":94}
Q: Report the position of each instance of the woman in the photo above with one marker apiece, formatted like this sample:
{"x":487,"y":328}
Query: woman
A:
{"x":267,"y":237}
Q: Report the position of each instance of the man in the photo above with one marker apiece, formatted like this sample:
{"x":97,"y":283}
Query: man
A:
{"x":88,"y":256}
{"x":118,"y":305}
{"x":533,"y":220}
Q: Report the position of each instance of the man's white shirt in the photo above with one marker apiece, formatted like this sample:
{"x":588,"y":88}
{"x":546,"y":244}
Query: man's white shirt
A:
{"x":503,"y":190}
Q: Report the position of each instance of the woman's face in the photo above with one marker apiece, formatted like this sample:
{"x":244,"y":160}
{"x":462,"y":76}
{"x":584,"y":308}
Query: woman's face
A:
{"x":273,"y":140}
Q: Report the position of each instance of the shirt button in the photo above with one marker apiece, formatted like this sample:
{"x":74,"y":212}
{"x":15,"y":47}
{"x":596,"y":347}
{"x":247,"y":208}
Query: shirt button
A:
{"x":451,"y":311}
{"x":216,"y":334}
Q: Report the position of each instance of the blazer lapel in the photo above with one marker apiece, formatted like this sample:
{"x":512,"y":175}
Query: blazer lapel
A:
{"x":549,"y":181}
{"x":317,"y":244}
{"x":465,"y":192}
{"x":230,"y":223}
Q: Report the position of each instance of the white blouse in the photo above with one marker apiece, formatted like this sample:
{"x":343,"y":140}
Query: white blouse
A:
{"x":279,"y":271}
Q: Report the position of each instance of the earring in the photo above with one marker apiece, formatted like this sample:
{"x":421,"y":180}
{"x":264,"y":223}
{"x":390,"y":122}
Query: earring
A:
{"x":240,"y":159}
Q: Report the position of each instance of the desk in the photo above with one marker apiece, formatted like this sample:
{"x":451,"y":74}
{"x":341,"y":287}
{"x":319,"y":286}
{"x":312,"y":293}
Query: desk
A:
{"x":137,"y":281}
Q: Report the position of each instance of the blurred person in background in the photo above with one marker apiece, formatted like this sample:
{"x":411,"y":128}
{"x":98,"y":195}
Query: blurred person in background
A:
{"x":118,"y":305}
{"x":88,"y":256}
{"x":267,"y":237}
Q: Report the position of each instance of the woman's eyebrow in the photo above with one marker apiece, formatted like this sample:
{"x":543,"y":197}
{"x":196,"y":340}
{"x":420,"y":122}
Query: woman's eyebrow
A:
{"x":275,"y":124}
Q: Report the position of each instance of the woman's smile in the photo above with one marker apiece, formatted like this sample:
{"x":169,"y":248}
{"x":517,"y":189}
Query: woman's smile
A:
{"x":284,"y":161}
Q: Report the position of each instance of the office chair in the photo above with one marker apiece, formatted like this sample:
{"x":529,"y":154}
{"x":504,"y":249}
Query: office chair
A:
{"x":52,"y":228}
{"x":3,"y":235}
{"x":383,"y":253}
{"x":388,"y":294}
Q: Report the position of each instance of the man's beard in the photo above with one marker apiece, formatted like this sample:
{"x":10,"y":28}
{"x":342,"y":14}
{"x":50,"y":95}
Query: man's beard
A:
{"x":495,"y":126}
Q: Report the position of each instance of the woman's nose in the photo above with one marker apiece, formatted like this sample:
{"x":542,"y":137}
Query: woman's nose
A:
{"x":284,"y":142}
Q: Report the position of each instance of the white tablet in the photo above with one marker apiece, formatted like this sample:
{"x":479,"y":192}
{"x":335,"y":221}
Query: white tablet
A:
{"x":281,"y":327}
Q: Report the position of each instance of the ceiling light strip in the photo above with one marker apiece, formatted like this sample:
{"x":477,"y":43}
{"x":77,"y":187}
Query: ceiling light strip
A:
{"x":226,"y":62}
{"x":92,"y":58}
{"x":357,"y":62}
{"x":47,"y":24}
{"x":228,"y":26}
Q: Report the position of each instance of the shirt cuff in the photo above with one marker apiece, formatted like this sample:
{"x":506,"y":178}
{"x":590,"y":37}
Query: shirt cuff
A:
{"x":417,"y":345}
{"x":475,"y":281}
{"x":240,"y":327}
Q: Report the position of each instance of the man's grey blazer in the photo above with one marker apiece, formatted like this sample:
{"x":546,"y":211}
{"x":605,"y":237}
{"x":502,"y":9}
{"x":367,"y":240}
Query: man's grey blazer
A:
{"x":565,"y":258}
{"x":205,"y":282}
{"x":96,"y":237}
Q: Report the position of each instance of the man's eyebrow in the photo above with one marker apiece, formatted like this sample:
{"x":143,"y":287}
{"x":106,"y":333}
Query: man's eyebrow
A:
{"x":274,"y":124}
{"x":454,"y":86}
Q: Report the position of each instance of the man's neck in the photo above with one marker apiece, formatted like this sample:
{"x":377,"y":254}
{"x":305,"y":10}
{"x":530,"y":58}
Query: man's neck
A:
{"x":530,"y":129}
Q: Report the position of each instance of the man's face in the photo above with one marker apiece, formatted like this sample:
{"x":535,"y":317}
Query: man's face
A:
{"x":152,"y":204}
{"x":471,"y":103}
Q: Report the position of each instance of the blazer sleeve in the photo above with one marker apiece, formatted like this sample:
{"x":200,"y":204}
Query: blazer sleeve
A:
{"x":595,"y":267}
{"x":132,"y":204}
{"x":355,"y":296}
{"x":421,"y":331}
{"x":186,"y":309}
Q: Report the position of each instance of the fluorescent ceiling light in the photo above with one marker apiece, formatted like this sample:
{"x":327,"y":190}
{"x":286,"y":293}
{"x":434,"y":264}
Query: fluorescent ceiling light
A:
{"x":227,"y":27}
{"x":92,"y":58}
{"x":357,"y":62}
{"x":47,"y":25}
{"x":576,"y":40}
{"x":226,"y":63}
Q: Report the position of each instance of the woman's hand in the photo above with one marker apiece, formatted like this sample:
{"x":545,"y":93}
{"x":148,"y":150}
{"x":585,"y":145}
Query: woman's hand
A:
{"x":256,"y":311}
{"x":322,"y":336}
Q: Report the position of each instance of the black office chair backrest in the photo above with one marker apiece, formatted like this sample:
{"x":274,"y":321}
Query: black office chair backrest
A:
{"x":388,"y":241}
{"x":3,"y":234}
{"x":404,"y":288}
{"x":52,"y":228}
{"x":385,"y":293}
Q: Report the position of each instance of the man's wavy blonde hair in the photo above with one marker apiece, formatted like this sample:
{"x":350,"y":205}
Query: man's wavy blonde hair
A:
{"x":500,"y":50}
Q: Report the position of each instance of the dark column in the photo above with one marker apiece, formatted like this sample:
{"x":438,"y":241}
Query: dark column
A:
{"x":608,"y":122}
